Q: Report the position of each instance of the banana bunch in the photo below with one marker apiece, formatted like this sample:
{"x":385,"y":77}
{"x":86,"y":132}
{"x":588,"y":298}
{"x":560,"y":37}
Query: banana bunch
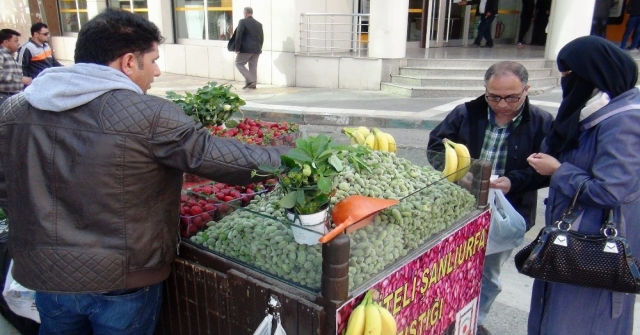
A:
{"x":369,"y":318}
{"x":456,"y":160}
{"x":374,"y":138}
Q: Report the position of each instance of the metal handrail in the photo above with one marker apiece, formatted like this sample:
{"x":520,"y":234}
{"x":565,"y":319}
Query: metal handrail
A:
{"x":329,"y":42}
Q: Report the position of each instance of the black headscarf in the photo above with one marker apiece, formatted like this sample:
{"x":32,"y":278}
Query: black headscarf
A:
{"x":594,"y":63}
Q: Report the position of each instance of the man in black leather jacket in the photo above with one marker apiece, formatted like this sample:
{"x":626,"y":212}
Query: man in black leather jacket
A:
{"x":90,"y":176}
{"x":504,"y":129}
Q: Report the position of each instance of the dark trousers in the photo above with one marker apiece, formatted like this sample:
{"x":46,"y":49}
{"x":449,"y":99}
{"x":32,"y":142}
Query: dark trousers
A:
{"x":599,"y":27}
{"x":539,"y":36}
{"x":633,"y":25}
{"x":484,"y":30}
{"x":525,"y":23}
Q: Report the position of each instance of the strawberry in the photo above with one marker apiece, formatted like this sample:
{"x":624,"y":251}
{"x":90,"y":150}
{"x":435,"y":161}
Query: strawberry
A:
{"x":228,"y":198}
{"x":195,"y":210}
{"x":209,"y":207}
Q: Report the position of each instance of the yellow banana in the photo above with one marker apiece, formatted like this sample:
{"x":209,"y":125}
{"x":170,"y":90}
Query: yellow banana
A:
{"x":364,"y":131}
{"x":358,"y":136}
{"x":464,"y":159}
{"x":355,"y":326}
{"x":348,"y":130}
{"x":388,"y":322}
{"x":381,"y":140}
{"x":392,"y":143}
{"x":370,"y":141}
{"x":450,"y":162}
{"x":372,"y":322}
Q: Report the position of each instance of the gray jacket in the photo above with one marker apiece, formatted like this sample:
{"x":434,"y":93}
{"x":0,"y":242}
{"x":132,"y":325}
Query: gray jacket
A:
{"x":92,"y":188}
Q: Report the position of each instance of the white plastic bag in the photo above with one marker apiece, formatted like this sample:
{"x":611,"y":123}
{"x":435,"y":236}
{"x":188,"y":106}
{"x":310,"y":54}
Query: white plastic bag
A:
{"x":20,"y":299}
{"x":507,"y":227}
{"x":265,"y":327}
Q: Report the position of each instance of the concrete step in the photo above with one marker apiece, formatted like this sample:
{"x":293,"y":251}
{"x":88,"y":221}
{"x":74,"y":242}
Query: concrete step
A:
{"x":445,"y":92}
{"x":463,"y":72}
{"x":450,"y":81}
{"x":483,"y":64}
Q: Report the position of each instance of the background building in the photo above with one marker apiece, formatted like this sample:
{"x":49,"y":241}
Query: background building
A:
{"x":353,"y":44}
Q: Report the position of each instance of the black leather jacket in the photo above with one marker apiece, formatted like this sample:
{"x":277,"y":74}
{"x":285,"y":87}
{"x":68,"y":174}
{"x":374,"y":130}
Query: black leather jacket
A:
{"x":467,"y":123}
{"x":93,"y":192}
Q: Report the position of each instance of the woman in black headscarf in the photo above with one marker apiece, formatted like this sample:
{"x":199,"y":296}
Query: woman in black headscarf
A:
{"x":595,"y":137}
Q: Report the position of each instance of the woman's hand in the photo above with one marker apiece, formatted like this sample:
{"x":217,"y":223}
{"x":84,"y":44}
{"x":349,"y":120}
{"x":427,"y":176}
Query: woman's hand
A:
{"x":544,"y":164}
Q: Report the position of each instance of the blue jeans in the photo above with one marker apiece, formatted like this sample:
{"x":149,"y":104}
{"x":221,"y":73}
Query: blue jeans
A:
{"x":491,"y":286}
{"x":117,"y":312}
{"x":633,"y":25}
{"x":484,"y":30}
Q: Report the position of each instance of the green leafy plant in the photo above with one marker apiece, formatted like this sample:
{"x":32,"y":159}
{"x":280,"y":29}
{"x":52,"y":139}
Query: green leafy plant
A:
{"x":210,"y":105}
{"x":2,"y":215}
{"x":306,"y":172}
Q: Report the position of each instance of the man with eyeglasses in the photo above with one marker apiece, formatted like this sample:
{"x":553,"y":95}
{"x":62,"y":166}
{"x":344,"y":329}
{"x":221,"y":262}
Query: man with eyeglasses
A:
{"x":503,"y":128}
{"x":36,"y":55}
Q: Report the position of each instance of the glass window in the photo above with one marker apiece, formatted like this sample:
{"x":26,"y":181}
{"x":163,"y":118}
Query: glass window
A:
{"x":73,"y":14}
{"x":204,"y":20}
{"x":134,"y":6}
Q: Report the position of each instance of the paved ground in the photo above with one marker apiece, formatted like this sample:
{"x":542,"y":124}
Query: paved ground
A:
{"x":400,"y":116}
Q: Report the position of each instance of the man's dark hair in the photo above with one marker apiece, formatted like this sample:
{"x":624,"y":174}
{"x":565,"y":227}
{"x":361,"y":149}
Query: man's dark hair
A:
{"x":114,"y":33}
{"x":36,"y":27}
{"x":6,"y":34}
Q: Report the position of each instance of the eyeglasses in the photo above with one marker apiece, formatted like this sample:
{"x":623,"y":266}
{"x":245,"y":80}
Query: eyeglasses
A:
{"x":45,"y":34}
{"x":508,"y":99}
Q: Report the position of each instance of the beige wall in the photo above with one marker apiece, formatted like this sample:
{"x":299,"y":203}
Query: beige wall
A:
{"x":14,"y":14}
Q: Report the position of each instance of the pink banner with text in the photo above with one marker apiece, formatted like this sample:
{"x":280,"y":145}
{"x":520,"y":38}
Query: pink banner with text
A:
{"x":438,"y":291}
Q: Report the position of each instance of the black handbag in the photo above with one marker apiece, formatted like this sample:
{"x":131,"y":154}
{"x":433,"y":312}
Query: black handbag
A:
{"x":561,"y":255}
{"x":231,"y":45}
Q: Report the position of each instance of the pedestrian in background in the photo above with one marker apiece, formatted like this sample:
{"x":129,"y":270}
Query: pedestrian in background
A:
{"x":600,"y":17}
{"x":526,"y":17}
{"x":633,"y":25}
{"x":90,"y":177}
{"x":595,"y":138}
{"x":540,"y":22}
{"x":248,"y":45}
{"x":500,"y":127}
{"x":11,"y":79}
{"x":487,"y":11}
{"x":35,"y":56}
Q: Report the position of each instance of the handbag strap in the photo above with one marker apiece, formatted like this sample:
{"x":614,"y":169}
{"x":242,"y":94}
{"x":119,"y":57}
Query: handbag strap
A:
{"x":568,"y":217}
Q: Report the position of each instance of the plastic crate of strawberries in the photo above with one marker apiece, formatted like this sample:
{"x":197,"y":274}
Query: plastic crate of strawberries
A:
{"x":259,"y":132}
{"x":195,"y":213}
{"x":233,"y":194}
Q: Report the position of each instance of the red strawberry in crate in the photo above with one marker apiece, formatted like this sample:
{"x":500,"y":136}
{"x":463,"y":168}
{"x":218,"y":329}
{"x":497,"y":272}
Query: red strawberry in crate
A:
{"x":195,"y":210}
{"x":209,"y":207}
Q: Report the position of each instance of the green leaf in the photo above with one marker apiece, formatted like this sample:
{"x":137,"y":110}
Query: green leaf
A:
{"x":300,"y":155}
{"x":325,"y":185}
{"x":300,"y":198}
{"x":288,"y":201}
{"x":336,"y":163}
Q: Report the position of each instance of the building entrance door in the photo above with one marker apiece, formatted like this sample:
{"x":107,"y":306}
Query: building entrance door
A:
{"x":445,"y":23}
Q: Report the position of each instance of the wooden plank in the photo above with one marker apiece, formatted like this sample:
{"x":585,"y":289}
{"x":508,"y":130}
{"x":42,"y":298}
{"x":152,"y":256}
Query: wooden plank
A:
{"x":260,"y":303}
{"x":223,"y":304}
{"x":242,"y":292}
{"x":289,"y":314}
{"x":184,"y":326}
{"x":172,"y":302}
{"x":202,"y":303}
{"x":190,"y":298}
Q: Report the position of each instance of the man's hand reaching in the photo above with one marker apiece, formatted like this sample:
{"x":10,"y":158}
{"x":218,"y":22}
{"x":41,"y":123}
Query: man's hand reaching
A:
{"x":502,"y":183}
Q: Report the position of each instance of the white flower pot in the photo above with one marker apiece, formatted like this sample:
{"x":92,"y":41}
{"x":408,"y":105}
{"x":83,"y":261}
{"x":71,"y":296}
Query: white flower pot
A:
{"x":315,"y":225}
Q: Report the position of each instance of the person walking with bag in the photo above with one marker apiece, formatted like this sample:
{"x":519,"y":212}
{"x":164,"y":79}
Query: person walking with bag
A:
{"x":504,"y":129}
{"x":595,"y":138}
{"x":633,"y":25}
{"x":248,"y":46}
